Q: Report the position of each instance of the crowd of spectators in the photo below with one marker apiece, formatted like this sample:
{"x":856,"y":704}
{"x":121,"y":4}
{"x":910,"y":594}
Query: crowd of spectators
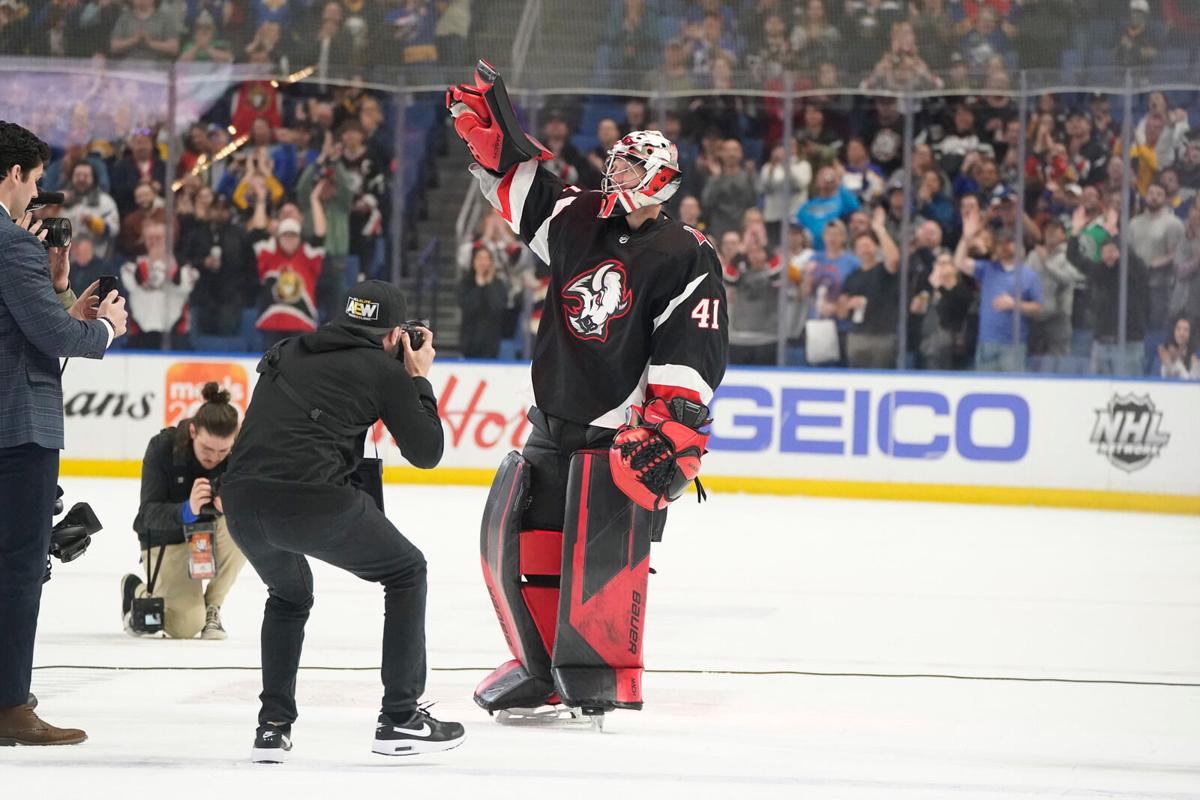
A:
{"x":338,"y":37}
{"x":265,"y":235}
{"x":886,"y":44}
{"x":976,"y":297}
{"x":280,"y":193}
{"x":826,"y":229}
{"x":263,"y":238}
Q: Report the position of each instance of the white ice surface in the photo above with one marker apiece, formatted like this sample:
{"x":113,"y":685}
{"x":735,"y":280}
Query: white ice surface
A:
{"x":745,"y":584}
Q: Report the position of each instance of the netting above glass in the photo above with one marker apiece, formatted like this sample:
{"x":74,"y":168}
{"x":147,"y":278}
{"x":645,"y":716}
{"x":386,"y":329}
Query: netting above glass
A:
{"x":643,"y":45}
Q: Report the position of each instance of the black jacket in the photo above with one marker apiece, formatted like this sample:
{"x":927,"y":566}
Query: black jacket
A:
{"x":238,"y":269}
{"x":169,"y":469}
{"x":1104,"y":290}
{"x":484,"y":310}
{"x":282,"y":452}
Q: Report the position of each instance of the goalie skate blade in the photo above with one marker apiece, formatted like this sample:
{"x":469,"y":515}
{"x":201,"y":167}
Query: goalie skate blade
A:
{"x":268,"y":755}
{"x":541,"y":716}
{"x":413,"y":747}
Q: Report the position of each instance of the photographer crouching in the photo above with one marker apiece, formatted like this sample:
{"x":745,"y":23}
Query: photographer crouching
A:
{"x":296,"y":487}
{"x":40,"y":321}
{"x":181,"y":527}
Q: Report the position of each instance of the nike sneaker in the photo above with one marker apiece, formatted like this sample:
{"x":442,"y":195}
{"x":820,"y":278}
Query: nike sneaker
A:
{"x":417,"y":733}
{"x":271,"y":744}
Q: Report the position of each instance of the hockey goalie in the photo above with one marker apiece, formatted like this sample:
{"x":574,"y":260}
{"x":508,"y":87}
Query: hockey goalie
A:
{"x":632,"y":342}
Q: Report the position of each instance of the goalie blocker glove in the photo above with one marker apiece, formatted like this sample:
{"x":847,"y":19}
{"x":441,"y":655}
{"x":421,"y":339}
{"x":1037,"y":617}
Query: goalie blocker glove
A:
{"x":485,"y":120}
{"x":656,"y":453}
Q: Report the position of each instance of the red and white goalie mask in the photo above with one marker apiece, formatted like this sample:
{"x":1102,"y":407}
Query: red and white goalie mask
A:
{"x":642,"y":169}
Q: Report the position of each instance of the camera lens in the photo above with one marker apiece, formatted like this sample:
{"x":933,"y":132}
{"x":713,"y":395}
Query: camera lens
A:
{"x":58,"y":231}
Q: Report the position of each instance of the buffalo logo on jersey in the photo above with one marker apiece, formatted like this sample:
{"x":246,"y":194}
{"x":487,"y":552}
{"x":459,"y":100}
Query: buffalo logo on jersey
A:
{"x":596,"y":298}
{"x":366,"y":310}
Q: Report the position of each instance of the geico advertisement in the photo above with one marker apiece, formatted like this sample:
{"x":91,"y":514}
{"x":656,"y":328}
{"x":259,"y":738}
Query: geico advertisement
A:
{"x":974,"y":429}
{"x":816,"y":425}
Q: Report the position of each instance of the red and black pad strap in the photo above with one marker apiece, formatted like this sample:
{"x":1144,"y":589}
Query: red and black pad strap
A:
{"x":500,"y":554}
{"x":602,"y":605}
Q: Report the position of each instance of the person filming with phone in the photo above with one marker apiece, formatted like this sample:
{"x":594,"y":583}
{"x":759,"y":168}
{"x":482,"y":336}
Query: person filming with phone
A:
{"x":296,"y":487}
{"x":41,"y":321}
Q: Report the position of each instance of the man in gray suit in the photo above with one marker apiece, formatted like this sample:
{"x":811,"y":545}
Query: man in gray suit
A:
{"x":36,"y":328}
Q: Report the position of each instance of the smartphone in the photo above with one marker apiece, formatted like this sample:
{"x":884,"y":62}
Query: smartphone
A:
{"x":107,"y":284}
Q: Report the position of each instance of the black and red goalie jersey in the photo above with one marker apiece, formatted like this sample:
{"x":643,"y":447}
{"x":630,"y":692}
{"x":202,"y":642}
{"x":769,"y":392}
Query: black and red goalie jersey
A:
{"x":630,"y":315}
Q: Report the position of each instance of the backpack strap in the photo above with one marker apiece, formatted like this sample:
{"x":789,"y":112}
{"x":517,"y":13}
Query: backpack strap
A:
{"x":269,"y":366}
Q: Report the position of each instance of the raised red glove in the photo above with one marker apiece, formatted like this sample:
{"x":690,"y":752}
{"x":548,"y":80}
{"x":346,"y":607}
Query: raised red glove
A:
{"x":473,"y":123}
{"x":656,"y":453}
{"x":484,"y":118}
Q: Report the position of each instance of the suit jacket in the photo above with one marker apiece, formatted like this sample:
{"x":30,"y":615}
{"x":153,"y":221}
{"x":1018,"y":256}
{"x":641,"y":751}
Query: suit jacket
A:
{"x":35,"y":331}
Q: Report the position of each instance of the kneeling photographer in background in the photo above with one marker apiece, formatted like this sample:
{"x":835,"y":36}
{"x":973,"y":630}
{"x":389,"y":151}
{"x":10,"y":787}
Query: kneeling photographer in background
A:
{"x":181,"y":527}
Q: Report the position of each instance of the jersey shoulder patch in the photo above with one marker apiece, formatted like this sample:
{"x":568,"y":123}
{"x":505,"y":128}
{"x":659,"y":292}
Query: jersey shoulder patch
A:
{"x":701,"y":239}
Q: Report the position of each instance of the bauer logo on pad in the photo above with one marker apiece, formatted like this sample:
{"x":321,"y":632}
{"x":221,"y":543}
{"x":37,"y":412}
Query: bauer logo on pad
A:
{"x":365,"y":310}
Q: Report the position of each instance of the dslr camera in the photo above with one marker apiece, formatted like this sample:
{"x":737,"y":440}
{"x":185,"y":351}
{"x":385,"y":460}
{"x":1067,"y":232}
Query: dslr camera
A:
{"x":58,"y":229}
{"x":415,"y":338}
{"x":209,"y":509}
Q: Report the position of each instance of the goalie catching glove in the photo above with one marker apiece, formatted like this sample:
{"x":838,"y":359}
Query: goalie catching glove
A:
{"x":656,"y":453}
{"x":485,"y":120}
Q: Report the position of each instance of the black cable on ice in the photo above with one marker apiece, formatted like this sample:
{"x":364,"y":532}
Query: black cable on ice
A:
{"x":745,"y":672}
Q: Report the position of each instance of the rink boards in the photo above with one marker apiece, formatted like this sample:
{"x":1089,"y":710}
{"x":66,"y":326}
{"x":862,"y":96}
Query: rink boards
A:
{"x":958,"y":437}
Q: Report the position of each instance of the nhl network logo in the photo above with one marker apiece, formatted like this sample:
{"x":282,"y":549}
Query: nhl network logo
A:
{"x":1127,"y":431}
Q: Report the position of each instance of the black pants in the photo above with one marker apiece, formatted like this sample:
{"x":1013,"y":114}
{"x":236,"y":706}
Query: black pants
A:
{"x":28,"y":476}
{"x":359,"y":539}
{"x":548,"y":450}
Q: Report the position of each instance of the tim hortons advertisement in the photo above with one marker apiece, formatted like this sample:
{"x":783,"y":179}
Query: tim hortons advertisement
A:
{"x":1100,"y":435}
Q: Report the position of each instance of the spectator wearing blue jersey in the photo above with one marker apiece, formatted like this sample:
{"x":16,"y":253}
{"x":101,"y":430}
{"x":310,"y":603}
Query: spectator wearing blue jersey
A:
{"x":831,"y":201}
{"x":271,"y":11}
{"x":220,"y":11}
{"x":862,"y":176}
{"x":985,"y":39}
{"x":827,"y":270}
{"x":1005,"y":287}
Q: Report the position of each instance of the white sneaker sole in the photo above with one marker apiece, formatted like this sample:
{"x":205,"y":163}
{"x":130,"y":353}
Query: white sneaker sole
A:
{"x":213,"y":635}
{"x":127,"y":616}
{"x":413,"y":747}
{"x":268,"y":755}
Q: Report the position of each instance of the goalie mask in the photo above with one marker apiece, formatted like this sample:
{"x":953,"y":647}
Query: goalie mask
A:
{"x":642,"y":169}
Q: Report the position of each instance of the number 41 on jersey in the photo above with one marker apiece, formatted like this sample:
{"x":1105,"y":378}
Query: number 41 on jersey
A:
{"x":706,"y":313}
